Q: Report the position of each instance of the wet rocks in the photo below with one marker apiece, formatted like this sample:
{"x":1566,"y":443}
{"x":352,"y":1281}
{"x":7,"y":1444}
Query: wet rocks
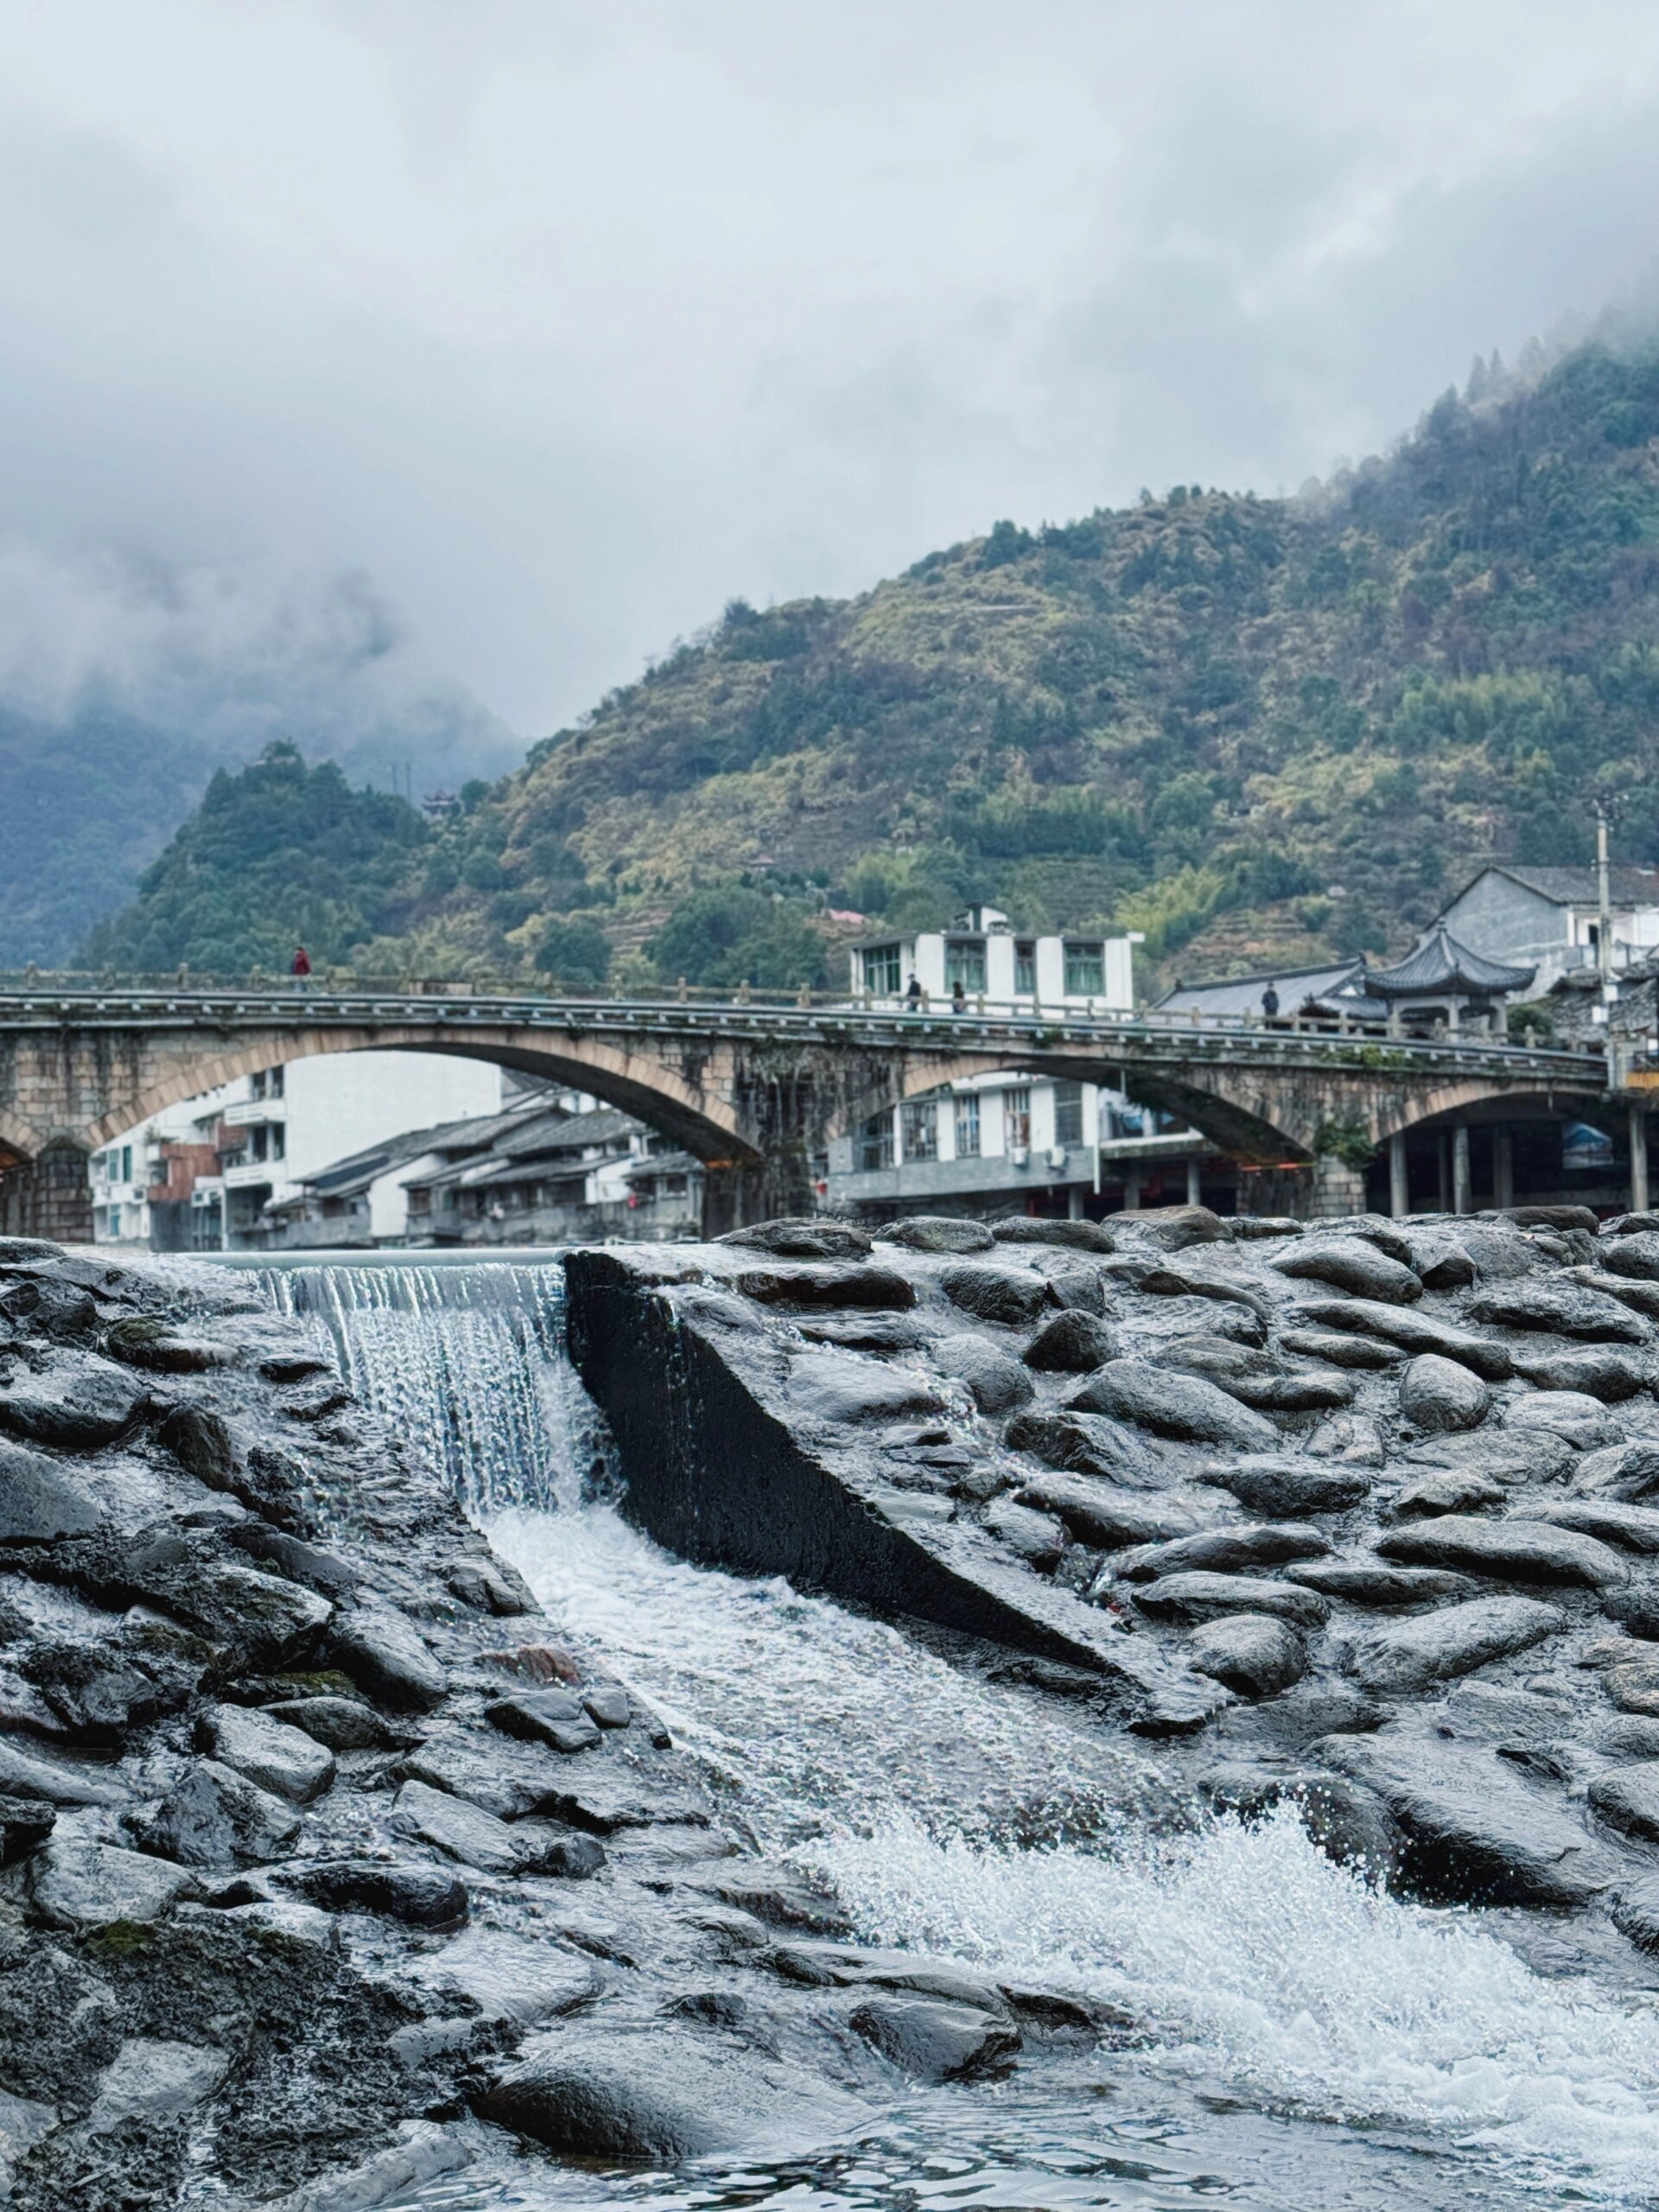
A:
{"x":1287,"y":1488}
{"x":1039,"y":1538}
{"x":459,"y":1829}
{"x":1509,"y":1551}
{"x":555,"y":1717}
{"x":1359,"y":1582}
{"x":1066,"y":1235}
{"x":24,"y":1827}
{"x":1102,"y":1516}
{"x":1567,"y":1309}
{"x":883,"y":1288}
{"x":996,"y":1382}
{"x":380,"y":1650}
{"x":284,"y":1760}
{"x":835,"y":1389}
{"x":1620,"y":1471}
{"x":1184,"y":1405}
{"x":418,"y":1895}
{"x":1579,"y":1421}
{"x":1611,"y":1376}
{"x":1631,"y":1528}
{"x":1411,"y":1331}
{"x":1628,"y":1799}
{"x":813,"y":1238}
{"x":1222,"y":1551}
{"x":215,"y":1816}
{"x":1194,"y":1597}
{"x":1413,"y":1656}
{"x":82,"y":1886}
{"x":1174,"y":1228}
{"x":343,"y":1724}
{"x":1072,"y":1343}
{"x":1255,"y":1654}
{"x":1352,"y":1264}
{"x":998,"y":1294}
{"x":1447,"y":1490}
{"x":1636,"y":1256}
{"x":1438,"y":1394}
{"x":1337,"y":1350}
{"x":932,"y":2041}
{"x":1086,"y":1444}
{"x":40,"y":1500}
{"x":76,"y":1407}
{"x":937,"y":1233}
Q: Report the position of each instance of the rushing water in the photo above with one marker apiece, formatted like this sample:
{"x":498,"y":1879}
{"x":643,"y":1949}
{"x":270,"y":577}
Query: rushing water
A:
{"x":1315,"y":2044}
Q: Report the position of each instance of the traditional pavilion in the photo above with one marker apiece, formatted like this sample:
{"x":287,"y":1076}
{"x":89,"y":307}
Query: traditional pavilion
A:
{"x":1441,"y":980}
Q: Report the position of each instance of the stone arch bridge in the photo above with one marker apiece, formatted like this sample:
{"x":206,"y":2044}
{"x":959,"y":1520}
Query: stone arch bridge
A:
{"x":754,"y":1089}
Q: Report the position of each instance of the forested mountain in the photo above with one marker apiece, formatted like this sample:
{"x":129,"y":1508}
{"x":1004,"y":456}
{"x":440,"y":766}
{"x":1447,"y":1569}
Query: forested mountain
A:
{"x":1250,"y":727}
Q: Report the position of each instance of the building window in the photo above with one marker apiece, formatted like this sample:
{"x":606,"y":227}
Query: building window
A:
{"x":276,"y":1085}
{"x":1025,"y":966}
{"x":278,"y":1139}
{"x":1016,"y":1119}
{"x":1085,"y":970}
{"x":967,"y":1128}
{"x":883,"y":970}
{"x":875,"y":1143}
{"x":921,"y":1130}
{"x":965,"y":964}
{"x":115,"y":1220}
{"x":1068,"y":1112}
{"x":126,"y":1163}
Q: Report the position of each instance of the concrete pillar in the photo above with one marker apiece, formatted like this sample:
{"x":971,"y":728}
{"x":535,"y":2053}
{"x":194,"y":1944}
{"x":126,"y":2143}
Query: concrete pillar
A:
{"x":1338,"y":1190}
{"x":1638,"y":1161}
{"x":1443,"y":1164}
{"x":49,"y":1196}
{"x":1463,"y":1181}
{"x":1074,"y":1203}
{"x":1131,"y":1186}
{"x":1399,"y":1178}
{"x":1195,"y":1183}
{"x":1502,"y":1167}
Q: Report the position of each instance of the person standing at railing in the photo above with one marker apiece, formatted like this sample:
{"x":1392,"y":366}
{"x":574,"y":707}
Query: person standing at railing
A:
{"x":913,"y":994}
{"x":300,"y":968}
{"x":1269,"y":1003}
{"x":958,"y":997}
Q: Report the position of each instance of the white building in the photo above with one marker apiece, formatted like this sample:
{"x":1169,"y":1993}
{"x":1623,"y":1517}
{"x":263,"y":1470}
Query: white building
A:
{"x":992,"y":963}
{"x":1550,"y":918}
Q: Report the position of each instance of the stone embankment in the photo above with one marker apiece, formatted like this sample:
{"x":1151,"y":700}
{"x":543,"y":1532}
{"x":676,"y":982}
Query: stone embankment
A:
{"x":1363,"y":1516}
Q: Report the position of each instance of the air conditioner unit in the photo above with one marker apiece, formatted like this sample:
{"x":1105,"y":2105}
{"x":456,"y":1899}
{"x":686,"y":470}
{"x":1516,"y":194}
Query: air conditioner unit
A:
{"x":1056,"y":1155}
{"x":1019,"y":1154}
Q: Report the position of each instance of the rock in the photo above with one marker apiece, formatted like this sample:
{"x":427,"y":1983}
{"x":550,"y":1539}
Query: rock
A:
{"x":1437,"y":1395}
{"x":1636,"y":1256}
{"x":935,"y":2041}
{"x":662,"y":2093}
{"x":865,"y":1332}
{"x":1358,"y":1583}
{"x":213,"y":1816}
{"x":1452,"y":1267}
{"x":996,"y":1382}
{"x":396,"y":2176}
{"x":1195,"y":1596}
{"x":1633,"y":1689}
{"x":98,"y":1691}
{"x":1183,"y":1406}
{"x":608,"y":1704}
{"x":1412,"y":1332}
{"x":1372,"y":1229}
{"x":27,"y":1774}
{"x":149,"y":2080}
{"x":1628,"y":1799}
{"x":1223,"y":1551}
{"x":1079,"y":1289}
{"x":925,"y":1232}
{"x":996,"y":1293}
{"x":813,"y":1238}
{"x":1579,"y":1420}
{"x":1070,"y":1235}
{"x":1352,"y":1264}
{"x":1412,"y":1655}
{"x":81,"y":1885}
{"x":883,"y":1288}
{"x":266,"y":1621}
{"x":24,"y":1827}
{"x":1353,"y":1439}
{"x":1636,"y":1608}
{"x":1511,"y":1551}
{"x":1447,"y":1490}
{"x":1103,"y":1517}
{"x":1633,"y":1528}
{"x":1611,"y":1376}
{"x":1162,"y":1279}
{"x":1641,"y":1297}
{"x":1474,"y":1833}
{"x":79,"y":1408}
{"x":286,"y":1760}
{"x":1565,"y":1308}
{"x":1490,"y":1712}
{"x":1278,"y":1488}
{"x":572,"y":1858}
{"x":1084,"y":1444}
{"x":1551,"y":1218}
{"x":1627,"y":1737}
{"x":296,"y":1561}
{"x":339,"y":1722}
{"x":381,"y":1652}
{"x":834,"y":1387}
{"x":1621,"y":1471}
{"x":1348,"y":1823}
{"x":1252,"y":1653}
{"x":297,"y":1365}
{"x":1339,"y":1350}
{"x":147,"y":1342}
{"x":459,"y":1829}
{"x":552,"y":1717}
{"x":1073,"y":1343}
{"x":420,"y":1897}
{"x":480,"y":1583}
{"x":1039,"y":1538}
{"x":1634,"y":1910}
{"x":40,"y":1500}
{"x":1174,"y":1228}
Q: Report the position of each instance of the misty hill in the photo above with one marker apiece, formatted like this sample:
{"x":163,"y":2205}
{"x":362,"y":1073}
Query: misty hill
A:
{"x":1252,"y":728}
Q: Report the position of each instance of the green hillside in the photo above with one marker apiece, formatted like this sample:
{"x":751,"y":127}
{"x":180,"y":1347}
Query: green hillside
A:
{"x":1250,"y":727}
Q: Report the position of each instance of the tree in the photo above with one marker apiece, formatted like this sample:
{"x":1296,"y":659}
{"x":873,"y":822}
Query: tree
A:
{"x":730,"y":935}
{"x":575,"y":953}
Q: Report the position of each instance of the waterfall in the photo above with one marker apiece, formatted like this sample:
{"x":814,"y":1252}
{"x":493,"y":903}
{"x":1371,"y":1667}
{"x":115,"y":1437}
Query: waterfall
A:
{"x":956,"y":1814}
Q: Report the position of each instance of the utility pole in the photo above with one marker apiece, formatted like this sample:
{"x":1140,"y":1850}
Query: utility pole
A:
{"x":1603,"y":900}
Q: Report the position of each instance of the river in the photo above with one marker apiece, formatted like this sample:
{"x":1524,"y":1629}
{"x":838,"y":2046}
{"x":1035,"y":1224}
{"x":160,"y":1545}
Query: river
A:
{"x":1316,"y":2045}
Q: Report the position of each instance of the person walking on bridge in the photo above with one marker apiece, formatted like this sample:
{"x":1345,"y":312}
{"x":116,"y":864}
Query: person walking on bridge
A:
{"x":913,"y":994}
{"x":300,"y":968}
{"x":1269,"y":1003}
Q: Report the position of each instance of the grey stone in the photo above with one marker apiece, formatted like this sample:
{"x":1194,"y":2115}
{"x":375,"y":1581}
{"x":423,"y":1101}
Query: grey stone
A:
{"x":1413,"y":1332}
{"x":1039,"y":1538}
{"x":1080,"y":1289}
{"x":1621,"y":1471}
{"x":1628,"y":1799}
{"x":1183,"y":1406}
{"x":1636,"y":1256}
{"x":1073,"y":1343}
{"x":1611,"y":1376}
{"x":149,"y":2079}
{"x":394,"y":2176}
{"x":608,"y":1704}
{"x":1633,"y":1528}
{"x":1634,"y":1910}
{"x":881,"y":1288}
{"x":935,"y":2042}
{"x":1223,"y":1551}
{"x":383,"y":1654}
{"x":937,"y":1233}
{"x":286,"y":1760}
{"x":1254,"y":1378}
{"x":1068,"y":1236}
{"x":213,"y":1816}
{"x":811,"y":1238}
{"x":164,"y":1349}
{"x":1492,"y":1713}
{"x":420,"y":1897}
{"x":996,"y":1380}
{"x":1174,"y":1228}
{"x":864,"y":1331}
{"x":1340,"y":1350}
{"x":1086,"y":1443}
{"x":480,"y":1583}
{"x":1447,"y":1490}
{"x":1640,"y":1296}
{"x":459,"y":1829}
{"x":1566,"y":1308}
{"x":1001,"y":1294}
{"x":81,"y":1885}
{"x":24,"y":1826}
{"x":28,"y":1774}
{"x":1253,"y":1654}
{"x":1351,"y":1263}
{"x":40,"y":1500}
{"x":1105,"y":1517}
{"x":1279,"y":1488}
{"x":1357,"y":1582}
{"x":1437,"y":1394}
{"x":1510,"y":1551}
{"x":296,"y":1561}
{"x":555,"y":1717}
{"x":1577,"y":1418}
{"x":1195,"y":1596}
{"x":265,"y":1621}
{"x":1627,"y":1735}
{"x":99,"y":1690}
{"x":1412,"y":1655}
{"x":1163,"y":1279}
{"x":835,"y":1388}
{"x":341,"y":1723}
{"x":77,"y":1408}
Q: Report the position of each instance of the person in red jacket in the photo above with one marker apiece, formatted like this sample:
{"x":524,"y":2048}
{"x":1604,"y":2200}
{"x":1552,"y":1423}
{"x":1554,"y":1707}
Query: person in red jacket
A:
{"x":300,"y":967}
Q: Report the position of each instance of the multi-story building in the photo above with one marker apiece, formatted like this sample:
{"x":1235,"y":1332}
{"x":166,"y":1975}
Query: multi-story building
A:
{"x":1549,"y":918}
{"x":982,"y":956}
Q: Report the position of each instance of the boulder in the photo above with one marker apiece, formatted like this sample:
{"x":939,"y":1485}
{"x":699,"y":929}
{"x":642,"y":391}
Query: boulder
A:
{"x":418,"y":1896}
{"x":213,"y":1816}
{"x":996,"y":1382}
{"x":1079,"y":1289}
{"x":1086,"y":1443}
{"x":1634,"y":1910}
{"x":1447,"y":1490}
{"x":935,"y":2042}
{"x":1412,"y":1332}
{"x":1072,"y":1343}
{"x":1223,"y":1551}
{"x":865,"y":1332}
{"x":99,"y":1690}
{"x":54,"y":1782}
{"x":1639,"y":1294}
{"x":297,"y":1561}
{"x":813,"y":1238}
{"x":1253,"y":1654}
{"x":382,"y":1653}
{"x":557,"y":1718}
{"x":1579,"y":1420}
{"x":262,"y":1619}
{"x":80,"y":1885}
{"x":1620,"y":1471}
{"x":342,"y":1723}
{"x":151,"y":2081}
{"x":1611,"y":1376}
{"x":1183,"y":1406}
{"x":1565,"y":1308}
{"x":1628,"y":1799}
{"x":1631,"y":1528}
{"x":925,"y":1232}
{"x":1561,"y":1218}
{"x":24,"y":1827}
{"x":608,"y":1705}
{"x":1068,"y":1236}
{"x":1636,"y":1256}
{"x":1102,"y":1516}
{"x":1438,"y":1394}
{"x":1001,"y":1295}
{"x":163,"y":1348}
{"x":1196,"y":1597}
{"x":1353,"y":1264}
{"x":882,"y":1289}
{"x":39,"y":1500}
{"x":285,"y":1761}
{"x":77,"y":1408}
{"x":459,"y":1829}
{"x":480,"y":1583}
{"x":1254,"y":1378}
{"x":1174,"y":1228}
{"x":1359,"y":1582}
{"x":1509,"y":1551}
{"x":1039,"y":1538}
{"x":1285,"y":1488}
{"x":1339,"y":1350}
{"x":1410,"y":1657}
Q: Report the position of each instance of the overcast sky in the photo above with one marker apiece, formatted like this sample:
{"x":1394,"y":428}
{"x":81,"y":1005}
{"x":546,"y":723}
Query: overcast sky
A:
{"x":565,"y":322}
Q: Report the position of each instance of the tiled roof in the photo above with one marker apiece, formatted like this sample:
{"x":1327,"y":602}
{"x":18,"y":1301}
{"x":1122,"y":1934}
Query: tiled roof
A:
{"x":1440,"y":963}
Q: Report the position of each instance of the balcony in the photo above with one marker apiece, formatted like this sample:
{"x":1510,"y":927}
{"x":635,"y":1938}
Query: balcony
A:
{"x":252,"y":1112}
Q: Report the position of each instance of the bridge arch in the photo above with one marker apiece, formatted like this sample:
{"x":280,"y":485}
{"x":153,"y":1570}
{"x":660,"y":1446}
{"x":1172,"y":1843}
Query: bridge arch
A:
{"x":1482,"y":1103}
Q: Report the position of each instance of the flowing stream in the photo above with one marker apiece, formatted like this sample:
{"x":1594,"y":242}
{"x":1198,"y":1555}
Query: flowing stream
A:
{"x":1315,"y":2044}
